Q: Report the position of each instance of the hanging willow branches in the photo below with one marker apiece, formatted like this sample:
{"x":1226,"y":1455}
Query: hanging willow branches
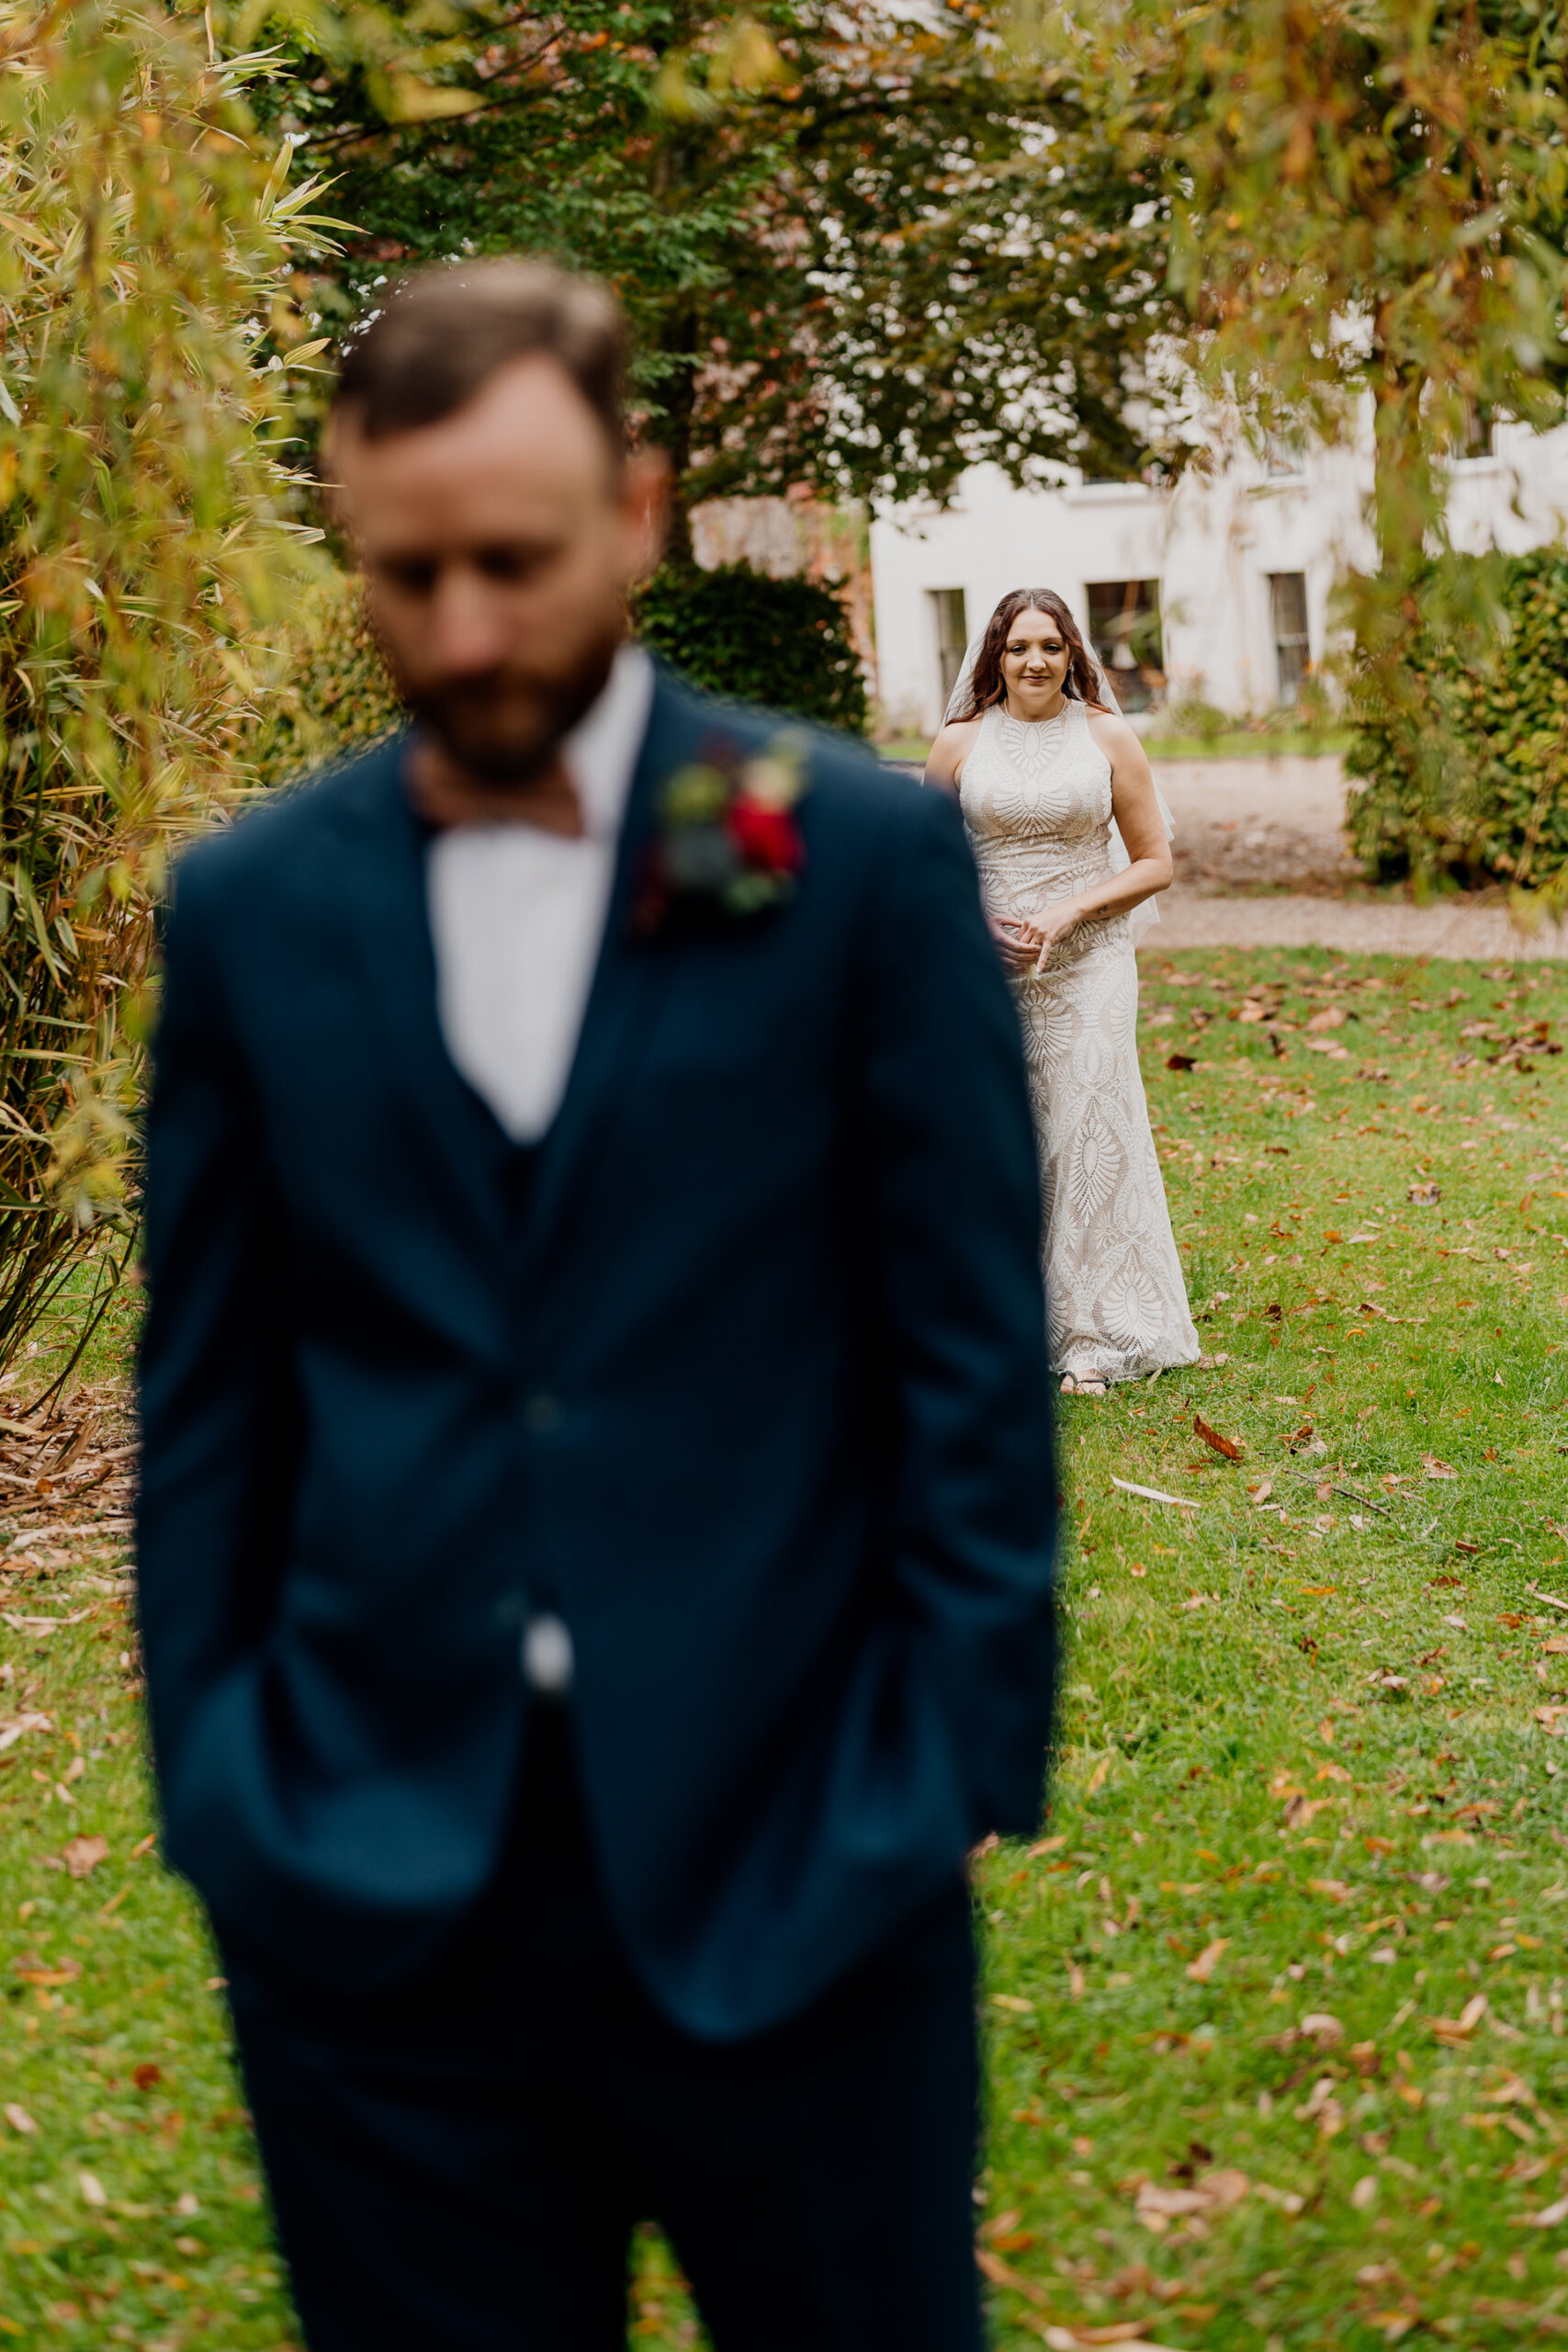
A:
{"x":146,"y":331}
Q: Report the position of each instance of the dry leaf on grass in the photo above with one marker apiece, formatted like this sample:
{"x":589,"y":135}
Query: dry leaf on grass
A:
{"x":83,"y":1855}
{"x":19,"y":2119}
{"x":1212,"y":2193}
{"x":13,"y":1727}
{"x":34,"y":1970}
{"x":1223,"y":1445}
{"x":1457,"y":2030}
{"x":1436,"y":1469}
{"x":1424,"y":1196}
{"x":1079,"y":2339}
{"x":1202,"y":1968}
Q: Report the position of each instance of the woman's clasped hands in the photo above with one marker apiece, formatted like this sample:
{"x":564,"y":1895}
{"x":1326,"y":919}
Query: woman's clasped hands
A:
{"x":1023,"y":945}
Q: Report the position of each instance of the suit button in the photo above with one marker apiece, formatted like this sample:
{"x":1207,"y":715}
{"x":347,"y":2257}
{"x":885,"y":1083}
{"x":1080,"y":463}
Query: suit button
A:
{"x":547,"y":1659}
{"x":542,"y":1413}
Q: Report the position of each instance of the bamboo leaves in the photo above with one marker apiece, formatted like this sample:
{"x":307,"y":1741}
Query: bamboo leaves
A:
{"x":142,"y":529}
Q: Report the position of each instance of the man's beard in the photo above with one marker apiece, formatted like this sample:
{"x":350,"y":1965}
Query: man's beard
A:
{"x":506,"y":728}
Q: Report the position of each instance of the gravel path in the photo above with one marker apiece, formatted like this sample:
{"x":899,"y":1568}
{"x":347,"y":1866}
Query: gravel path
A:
{"x":1243,"y":823}
{"x":1357,"y":926}
{"x":1276,"y":826}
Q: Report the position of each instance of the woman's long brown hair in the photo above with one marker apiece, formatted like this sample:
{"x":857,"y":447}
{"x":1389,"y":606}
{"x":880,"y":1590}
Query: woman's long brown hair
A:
{"x":986,"y":687}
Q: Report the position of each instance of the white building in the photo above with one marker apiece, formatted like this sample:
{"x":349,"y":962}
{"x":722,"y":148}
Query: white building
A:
{"x":1217,"y":588}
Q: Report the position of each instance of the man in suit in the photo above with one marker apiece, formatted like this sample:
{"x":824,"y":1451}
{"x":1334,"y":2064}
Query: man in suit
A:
{"x":597,"y":1514}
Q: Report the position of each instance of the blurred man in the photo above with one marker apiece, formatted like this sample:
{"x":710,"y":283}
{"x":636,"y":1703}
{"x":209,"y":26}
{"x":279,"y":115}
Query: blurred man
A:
{"x":597,"y":1511}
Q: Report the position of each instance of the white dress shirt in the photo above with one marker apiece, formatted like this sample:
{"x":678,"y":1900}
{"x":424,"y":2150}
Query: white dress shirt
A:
{"x":517,"y":917}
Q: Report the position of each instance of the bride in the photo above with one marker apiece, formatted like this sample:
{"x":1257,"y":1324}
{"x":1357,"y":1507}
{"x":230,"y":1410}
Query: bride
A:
{"x":1048,"y":775}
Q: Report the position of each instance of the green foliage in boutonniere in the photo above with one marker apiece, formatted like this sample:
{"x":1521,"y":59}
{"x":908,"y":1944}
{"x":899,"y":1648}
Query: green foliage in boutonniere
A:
{"x":728,"y":841}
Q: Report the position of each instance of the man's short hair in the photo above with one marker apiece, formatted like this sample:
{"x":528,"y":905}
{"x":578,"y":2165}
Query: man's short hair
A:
{"x":443,"y":334}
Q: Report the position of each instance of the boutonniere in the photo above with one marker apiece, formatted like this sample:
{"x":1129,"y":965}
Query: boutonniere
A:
{"x":726,"y":842}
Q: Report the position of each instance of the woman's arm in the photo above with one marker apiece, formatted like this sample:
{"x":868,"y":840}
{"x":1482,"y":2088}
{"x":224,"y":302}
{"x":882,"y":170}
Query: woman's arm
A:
{"x":1136,"y":811}
{"x":944,"y":763}
{"x":944,"y":769}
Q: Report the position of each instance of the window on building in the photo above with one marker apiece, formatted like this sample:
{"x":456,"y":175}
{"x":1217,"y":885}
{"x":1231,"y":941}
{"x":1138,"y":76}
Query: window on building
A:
{"x":1123,"y":627}
{"x":1284,"y":456}
{"x":1292,"y":645}
{"x":951,"y":636}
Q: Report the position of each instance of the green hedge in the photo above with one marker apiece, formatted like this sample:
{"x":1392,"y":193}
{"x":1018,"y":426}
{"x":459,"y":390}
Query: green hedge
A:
{"x":736,"y":632}
{"x":1463,"y":742}
{"x":332,"y":692}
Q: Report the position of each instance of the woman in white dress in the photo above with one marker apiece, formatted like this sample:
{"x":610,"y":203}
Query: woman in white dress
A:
{"x":1047,"y":777}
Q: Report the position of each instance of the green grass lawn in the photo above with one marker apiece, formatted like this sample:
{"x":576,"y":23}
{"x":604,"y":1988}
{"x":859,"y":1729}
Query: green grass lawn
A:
{"x":1276,"y":2004}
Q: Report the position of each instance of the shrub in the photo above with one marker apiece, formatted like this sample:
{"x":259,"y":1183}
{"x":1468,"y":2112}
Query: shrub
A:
{"x":141,"y":533}
{"x":1193,"y":717}
{"x":741,"y":634}
{"x":333,"y":694}
{"x":1463,"y":742}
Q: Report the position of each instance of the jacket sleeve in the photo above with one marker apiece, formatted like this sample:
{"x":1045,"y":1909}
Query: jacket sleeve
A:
{"x":217,"y":1415}
{"x":953,"y":1220}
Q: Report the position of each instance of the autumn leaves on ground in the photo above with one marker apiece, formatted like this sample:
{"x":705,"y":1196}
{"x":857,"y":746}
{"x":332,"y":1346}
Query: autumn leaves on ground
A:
{"x":1276,"y":2003}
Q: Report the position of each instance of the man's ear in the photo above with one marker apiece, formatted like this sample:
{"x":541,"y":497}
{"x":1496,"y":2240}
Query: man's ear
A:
{"x":645,"y":508}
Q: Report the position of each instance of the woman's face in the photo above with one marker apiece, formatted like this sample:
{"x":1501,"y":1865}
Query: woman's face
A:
{"x":1034,"y":660}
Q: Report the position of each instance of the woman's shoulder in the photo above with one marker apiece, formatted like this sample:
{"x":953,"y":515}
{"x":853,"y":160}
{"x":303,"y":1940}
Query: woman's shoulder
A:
{"x":952,"y":748}
{"x":1112,"y":731}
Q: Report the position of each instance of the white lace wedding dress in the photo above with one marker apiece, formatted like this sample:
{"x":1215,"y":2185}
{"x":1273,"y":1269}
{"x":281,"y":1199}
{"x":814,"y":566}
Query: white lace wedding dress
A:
{"x":1036,"y":800}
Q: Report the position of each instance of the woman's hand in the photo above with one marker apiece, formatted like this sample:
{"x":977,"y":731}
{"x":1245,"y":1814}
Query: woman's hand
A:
{"x":1023,"y":945}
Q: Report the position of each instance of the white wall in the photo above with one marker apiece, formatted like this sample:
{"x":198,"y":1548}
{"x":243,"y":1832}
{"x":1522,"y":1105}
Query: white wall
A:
{"x":1212,"y":543}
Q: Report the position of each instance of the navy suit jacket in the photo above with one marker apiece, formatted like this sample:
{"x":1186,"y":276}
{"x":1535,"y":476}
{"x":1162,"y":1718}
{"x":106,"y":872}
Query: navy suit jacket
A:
{"x":748,"y":1378}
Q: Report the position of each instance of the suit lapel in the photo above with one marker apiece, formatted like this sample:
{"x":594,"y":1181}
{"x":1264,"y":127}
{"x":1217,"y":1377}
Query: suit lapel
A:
{"x":630,"y":985}
{"x":449,"y":1124}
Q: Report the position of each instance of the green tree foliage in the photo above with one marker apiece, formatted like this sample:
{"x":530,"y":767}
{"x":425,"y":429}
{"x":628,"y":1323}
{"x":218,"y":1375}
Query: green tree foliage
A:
{"x":736,"y":632}
{"x":1362,"y":211}
{"x":1358,"y":201}
{"x":144,"y":265}
{"x":1467,"y":766}
{"x":838,"y":266}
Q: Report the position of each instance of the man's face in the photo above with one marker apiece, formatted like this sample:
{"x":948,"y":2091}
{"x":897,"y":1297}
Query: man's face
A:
{"x":498,"y":548}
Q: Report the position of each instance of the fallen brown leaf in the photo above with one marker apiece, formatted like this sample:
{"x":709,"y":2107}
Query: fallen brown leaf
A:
{"x":1202,"y":1968}
{"x":1211,"y":1436}
{"x":83,"y":1855}
{"x":32,"y":1969}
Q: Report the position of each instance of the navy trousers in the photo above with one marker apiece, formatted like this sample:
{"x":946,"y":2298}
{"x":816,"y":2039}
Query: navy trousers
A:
{"x":459,"y":2166}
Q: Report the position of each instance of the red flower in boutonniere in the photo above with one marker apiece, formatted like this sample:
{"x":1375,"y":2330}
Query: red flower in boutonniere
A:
{"x":729,"y":841}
